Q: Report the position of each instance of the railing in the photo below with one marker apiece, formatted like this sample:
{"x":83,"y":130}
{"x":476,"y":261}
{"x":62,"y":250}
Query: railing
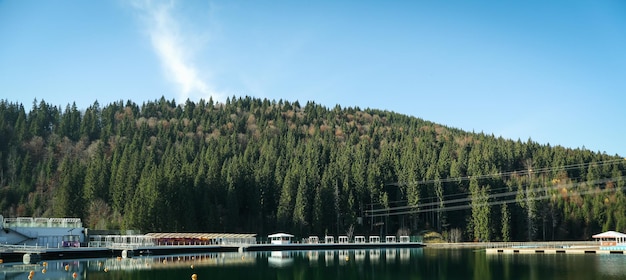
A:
{"x":544,"y":244}
{"x":360,"y":239}
{"x":206,"y":243}
{"x":115,"y":244}
{"x":99,"y":244}
{"x":240,"y":242}
{"x":42,"y":222}
{"x":527,"y":244}
{"x":128,"y":245}
{"x":21,"y":248}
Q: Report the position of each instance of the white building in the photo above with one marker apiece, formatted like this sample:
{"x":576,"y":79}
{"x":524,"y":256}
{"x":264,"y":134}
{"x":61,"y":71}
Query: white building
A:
{"x":45,"y":232}
{"x":280,"y":238}
{"x":329,"y":239}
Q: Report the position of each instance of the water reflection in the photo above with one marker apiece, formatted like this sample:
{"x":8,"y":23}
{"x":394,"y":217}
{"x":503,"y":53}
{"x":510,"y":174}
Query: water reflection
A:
{"x":280,"y":258}
{"x":335,"y":257}
{"x":313,"y":257}
{"x":374,"y":256}
{"x":398,"y":263}
{"x":405,"y":255}
{"x":329,"y":257}
{"x":390,"y":255}
{"x":612,"y":265}
{"x":45,"y":270}
{"x":79,"y":269}
{"x":344,"y":257}
{"x":359,"y":255}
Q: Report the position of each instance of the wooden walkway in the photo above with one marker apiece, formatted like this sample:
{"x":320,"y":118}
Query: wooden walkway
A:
{"x":550,"y":247}
{"x":567,"y":250}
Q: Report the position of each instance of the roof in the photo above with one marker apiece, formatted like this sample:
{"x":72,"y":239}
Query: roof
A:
{"x":610,"y":234}
{"x":201,"y":235}
{"x":280,"y":234}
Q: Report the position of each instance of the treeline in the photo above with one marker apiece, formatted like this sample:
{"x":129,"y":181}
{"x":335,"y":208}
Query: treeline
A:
{"x":258,"y":165}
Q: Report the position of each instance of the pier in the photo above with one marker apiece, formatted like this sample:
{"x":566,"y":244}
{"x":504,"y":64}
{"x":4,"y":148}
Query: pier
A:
{"x":31,"y":240}
{"x":574,"y":247}
{"x":609,"y":242}
{"x":177,"y":243}
{"x":575,"y":250}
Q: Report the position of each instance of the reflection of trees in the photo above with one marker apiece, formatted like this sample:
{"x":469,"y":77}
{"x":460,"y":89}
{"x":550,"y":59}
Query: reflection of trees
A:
{"x":481,"y":267}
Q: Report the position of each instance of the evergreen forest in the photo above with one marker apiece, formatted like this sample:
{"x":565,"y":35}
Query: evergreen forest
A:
{"x":262,"y":166}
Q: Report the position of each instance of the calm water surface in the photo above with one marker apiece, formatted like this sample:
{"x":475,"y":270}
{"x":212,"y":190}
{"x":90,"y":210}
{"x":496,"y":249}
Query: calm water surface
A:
{"x":339,"y":264}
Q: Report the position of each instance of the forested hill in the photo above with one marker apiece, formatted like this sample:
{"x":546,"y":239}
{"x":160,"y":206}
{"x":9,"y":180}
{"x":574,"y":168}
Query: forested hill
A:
{"x":261,"y":166}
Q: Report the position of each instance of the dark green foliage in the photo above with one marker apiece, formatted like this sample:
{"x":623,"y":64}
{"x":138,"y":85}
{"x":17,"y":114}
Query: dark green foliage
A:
{"x":258,"y":165}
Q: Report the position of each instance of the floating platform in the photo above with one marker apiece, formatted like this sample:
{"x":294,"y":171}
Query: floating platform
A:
{"x":330,"y":246}
{"x":19,"y":255}
{"x":566,"y":250}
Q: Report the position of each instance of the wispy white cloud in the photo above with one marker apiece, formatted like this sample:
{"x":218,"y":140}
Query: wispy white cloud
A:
{"x":169,"y":42}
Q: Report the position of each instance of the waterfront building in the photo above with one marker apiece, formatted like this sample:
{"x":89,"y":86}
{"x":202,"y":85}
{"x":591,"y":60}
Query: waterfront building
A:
{"x":611,"y":240}
{"x":43,"y":232}
{"x":329,"y":239}
{"x":314,"y":240}
{"x":374,"y":239}
{"x":280,"y":238}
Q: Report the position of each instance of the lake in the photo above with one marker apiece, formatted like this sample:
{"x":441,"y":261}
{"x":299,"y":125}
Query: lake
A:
{"x":423,"y":263}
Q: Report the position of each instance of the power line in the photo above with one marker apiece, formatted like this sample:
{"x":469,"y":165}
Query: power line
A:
{"x":510,"y":173}
{"x":502,"y":174}
{"x":416,"y":210}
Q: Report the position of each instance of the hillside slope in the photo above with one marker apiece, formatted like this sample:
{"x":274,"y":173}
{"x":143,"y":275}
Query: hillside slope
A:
{"x":258,"y":165}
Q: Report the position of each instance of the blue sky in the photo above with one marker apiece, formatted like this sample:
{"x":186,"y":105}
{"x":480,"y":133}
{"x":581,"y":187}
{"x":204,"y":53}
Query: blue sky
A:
{"x":552,"y":71}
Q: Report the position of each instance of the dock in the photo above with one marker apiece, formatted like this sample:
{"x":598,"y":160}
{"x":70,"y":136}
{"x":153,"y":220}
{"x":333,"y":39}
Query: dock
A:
{"x":583,"y":250}
{"x":35,"y":253}
{"x":329,"y":246}
{"x":19,"y":253}
{"x":586,"y":247}
{"x":606,"y":243}
{"x":30,"y":240}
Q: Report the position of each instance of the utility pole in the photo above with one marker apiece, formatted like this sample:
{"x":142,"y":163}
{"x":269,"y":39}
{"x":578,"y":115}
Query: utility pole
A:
{"x":529,"y":202}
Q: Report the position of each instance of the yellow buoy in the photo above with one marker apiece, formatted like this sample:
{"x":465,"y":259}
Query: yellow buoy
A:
{"x":106,"y":269}
{"x":192,"y":266}
{"x":44,"y":263}
{"x":67,"y":267}
{"x":194,"y":276}
{"x":43,"y":271}
{"x":31,"y":273}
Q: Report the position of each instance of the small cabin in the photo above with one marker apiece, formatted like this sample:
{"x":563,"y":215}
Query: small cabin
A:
{"x":405,"y":239}
{"x":374,"y":239}
{"x":329,"y":239}
{"x":359,"y":239}
{"x":343,"y":239}
{"x":390,"y":239}
{"x":280,"y":238}
{"x":314,"y":240}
